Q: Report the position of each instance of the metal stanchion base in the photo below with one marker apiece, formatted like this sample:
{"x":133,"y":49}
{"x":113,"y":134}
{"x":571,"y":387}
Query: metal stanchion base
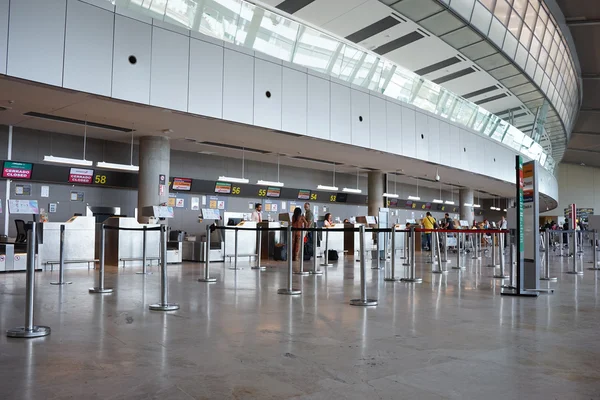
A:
{"x":379,"y":268}
{"x":541,"y":290}
{"x":406,"y":264}
{"x":302,"y":273}
{"x":461,"y":267}
{"x":291,"y":292}
{"x":392,"y":279}
{"x":236,"y":268}
{"x":522,"y":294}
{"x":260,"y":268}
{"x":100,"y":290}
{"x":144,"y":273}
{"x":21,"y":332}
{"x":60,"y":283}
{"x":501,"y":277}
{"x":412,"y":280}
{"x":363,"y":303}
{"x":575,"y":272}
{"x":551,"y":279}
{"x":594,"y":268}
{"x":508,"y":287}
{"x":326,"y":265}
{"x":492,"y":266}
{"x":208,"y":280}
{"x":164,"y":307}
{"x":317,"y":272}
{"x":439,"y":272}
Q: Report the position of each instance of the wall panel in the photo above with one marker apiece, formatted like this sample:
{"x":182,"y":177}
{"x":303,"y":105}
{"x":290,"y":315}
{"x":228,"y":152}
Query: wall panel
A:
{"x":360,"y":119}
{"x":36,"y":40}
{"x":294,"y":101}
{"x":318,"y":107}
{"x":378,"y":123}
{"x":433,"y":129}
{"x":341,"y":127}
{"x":88,"y":48}
{"x":394,"y":127}
{"x":3,"y":34}
{"x":455,"y":149}
{"x":267,"y":82}
{"x":422,"y":136}
{"x":206,"y":79}
{"x":131,"y":82}
{"x":238,"y":87}
{"x":445,"y":142}
{"x":169,"y":77}
{"x":409,"y":144}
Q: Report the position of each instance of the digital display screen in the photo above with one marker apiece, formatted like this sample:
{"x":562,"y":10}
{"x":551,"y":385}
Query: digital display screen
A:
{"x":223,"y":187}
{"x":393,"y":202}
{"x":304,"y":195}
{"x":341,"y":197}
{"x":409,"y":203}
{"x":17,"y":170}
{"x":441,"y":207}
{"x":273,"y":192}
{"x":183,"y":184}
{"x":428,"y":206}
{"x":80,"y":175}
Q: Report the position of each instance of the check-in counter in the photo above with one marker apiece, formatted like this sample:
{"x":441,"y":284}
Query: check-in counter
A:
{"x":351,"y":239}
{"x":336,"y":239}
{"x":124,"y":244}
{"x":246,"y":240}
{"x":80,"y":236}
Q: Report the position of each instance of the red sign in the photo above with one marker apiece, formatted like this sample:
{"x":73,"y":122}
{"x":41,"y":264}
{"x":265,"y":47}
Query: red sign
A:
{"x":17,"y":170}
{"x":78,"y":175}
{"x":182,"y":184}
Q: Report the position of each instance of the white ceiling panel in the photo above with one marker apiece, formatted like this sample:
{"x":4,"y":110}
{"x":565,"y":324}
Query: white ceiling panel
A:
{"x":448,"y":70}
{"x":358,"y":18}
{"x":421,"y":53}
{"x":320,"y":12}
{"x":501,"y":104}
{"x":387,"y":36}
{"x":470,"y":83}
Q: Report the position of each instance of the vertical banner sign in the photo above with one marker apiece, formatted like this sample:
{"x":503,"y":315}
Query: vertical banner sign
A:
{"x":531,"y":225}
{"x":572,"y":217}
{"x":162,"y":181}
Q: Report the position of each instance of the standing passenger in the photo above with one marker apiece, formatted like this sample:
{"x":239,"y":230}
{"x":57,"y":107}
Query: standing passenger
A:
{"x":298,"y":221}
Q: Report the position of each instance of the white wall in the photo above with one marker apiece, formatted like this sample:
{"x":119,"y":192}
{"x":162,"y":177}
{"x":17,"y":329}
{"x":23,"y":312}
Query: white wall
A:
{"x":84,"y":47}
{"x":579,"y":185}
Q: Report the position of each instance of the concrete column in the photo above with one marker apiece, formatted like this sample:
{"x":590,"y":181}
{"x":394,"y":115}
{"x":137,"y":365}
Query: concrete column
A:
{"x":154,"y":160}
{"x":376,"y":186}
{"x":466,"y":213}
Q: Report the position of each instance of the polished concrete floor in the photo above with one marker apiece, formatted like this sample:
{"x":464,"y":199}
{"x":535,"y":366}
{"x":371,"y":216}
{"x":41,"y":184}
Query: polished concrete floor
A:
{"x":451,"y":337}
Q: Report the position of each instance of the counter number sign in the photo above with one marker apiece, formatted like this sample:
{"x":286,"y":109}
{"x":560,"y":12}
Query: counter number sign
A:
{"x":100,"y":179}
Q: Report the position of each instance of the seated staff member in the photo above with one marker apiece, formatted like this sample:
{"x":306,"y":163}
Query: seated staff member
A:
{"x":328,"y":221}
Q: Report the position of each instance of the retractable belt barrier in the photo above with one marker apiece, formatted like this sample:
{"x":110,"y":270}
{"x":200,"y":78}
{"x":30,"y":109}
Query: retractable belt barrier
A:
{"x":61,"y":257}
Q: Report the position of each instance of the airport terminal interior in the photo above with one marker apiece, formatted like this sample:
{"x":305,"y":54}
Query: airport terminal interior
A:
{"x":299,"y":199}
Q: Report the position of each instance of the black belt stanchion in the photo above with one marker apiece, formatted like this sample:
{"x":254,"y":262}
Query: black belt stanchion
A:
{"x":207,"y":277}
{"x":289,"y":290}
{"x":501,"y":275}
{"x":412,"y":269}
{"x":378,"y":251}
{"x":326,"y":254}
{"x":61,"y":268}
{"x":493,"y":264}
{"x":392,"y":277}
{"x":363,"y":301}
{"x":546,"y":271}
{"x":594,"y":253}
{"x":235,"y":250}
{"x":458,"y":266}
{"x":301,"y":270}
{"x":258,"y":266}
{"x":144,"y":258}
{"x":315,"y":270}
{"x":575,"y":270}
{"x":164,"y":304}
{"x":29,"y":330}
{"x":100,"y":288}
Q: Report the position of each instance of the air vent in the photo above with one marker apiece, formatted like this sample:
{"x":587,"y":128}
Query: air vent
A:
{"x":77,"y":122}
{"x":423,"y":32}
{"x":232,"y":147}
{"x":315,"y":160}
{"x":398,"y":17}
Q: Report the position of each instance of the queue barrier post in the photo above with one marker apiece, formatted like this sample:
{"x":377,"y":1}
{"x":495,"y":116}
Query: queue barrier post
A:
{"x":144,"y":270}
{"x":432,"y":248}
{"x":29,"y":330}
{"x":258,"y":265}
{"x":575,"y":270}
{"x":61,"y":264}
{"x":235,"y":250}
{"x":100,"y":288}
{"x":301,"y":270}
{"x":315,"y":270}
{"x":378,"y":250}
{"x":546,"y":271}
{"x":289,"y":290}
{"x":446,"y":260}
{"x":363,"y":301}
{"x":406,"y":252}
{"x":207,"y":277}
{"x":501,"y":274}
{"x":412,"y":269}
{"x":439,"y":270}
{"x":326,"y":254}
{"x":594,"y":253}
{"x":164,"y":304}
{"x":561,"y":243}
{"x":458,"y":266}
{"x":392,"y":277}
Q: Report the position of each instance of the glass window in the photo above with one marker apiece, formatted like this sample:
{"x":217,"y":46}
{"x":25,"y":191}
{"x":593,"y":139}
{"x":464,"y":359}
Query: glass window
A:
{"x":531,"y":17}
{"x":525,"y":37}
{"x":543,"y":58}
{"x":540,"y":28}
{"x":520,"y":6}
{"x":535,"y":47}
{"x":515,"y":24}
{"x":553,"y":50}
{"x":314,"y":50}
{"x":502,"y":11}
{"x":489,"y":4}
{"x":276,"y":36}
{"x":535,"y":4}
{"x":220,"y":22}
